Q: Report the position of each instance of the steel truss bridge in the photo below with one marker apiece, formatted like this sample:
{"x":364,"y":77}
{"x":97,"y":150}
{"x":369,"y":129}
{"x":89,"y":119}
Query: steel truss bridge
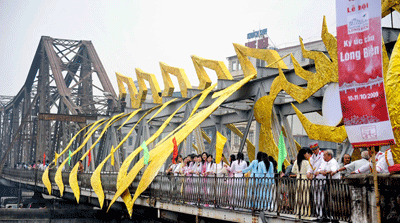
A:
{"x":67,"y":88}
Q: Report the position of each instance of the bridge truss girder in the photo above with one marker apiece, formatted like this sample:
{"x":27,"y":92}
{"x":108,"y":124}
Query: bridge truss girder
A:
{"x":61,"y":80}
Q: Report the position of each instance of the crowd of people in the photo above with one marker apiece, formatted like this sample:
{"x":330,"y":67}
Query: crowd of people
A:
{"x":313,"y":163}
{"x":204,"y":165}
{"x":39,"y":165}
{"x":310,"y":163}
{"x":202,"y":173}
{"x":34,"y":166}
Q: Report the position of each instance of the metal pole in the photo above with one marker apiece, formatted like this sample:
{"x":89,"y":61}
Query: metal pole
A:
{"x":391,"y":18}
{"x":246,"y":132}
{"x":375,"y":174}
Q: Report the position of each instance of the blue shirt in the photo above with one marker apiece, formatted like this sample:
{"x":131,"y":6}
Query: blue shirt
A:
{"x":253,"y":167}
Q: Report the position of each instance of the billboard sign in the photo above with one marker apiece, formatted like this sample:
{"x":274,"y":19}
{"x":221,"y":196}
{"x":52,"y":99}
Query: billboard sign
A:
{"x":256,"y":34}
{"x":361,"y":87}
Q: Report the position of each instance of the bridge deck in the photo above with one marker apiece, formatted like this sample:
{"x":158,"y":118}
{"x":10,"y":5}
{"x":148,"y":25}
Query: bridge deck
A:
{"x":233,"y":201}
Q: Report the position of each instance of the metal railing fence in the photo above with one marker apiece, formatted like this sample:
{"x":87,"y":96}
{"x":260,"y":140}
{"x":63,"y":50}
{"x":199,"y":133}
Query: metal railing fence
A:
{"x":304,"y":198}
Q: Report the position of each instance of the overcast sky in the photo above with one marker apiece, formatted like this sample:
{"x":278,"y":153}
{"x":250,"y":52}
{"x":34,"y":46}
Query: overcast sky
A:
{"x":140,"y":34}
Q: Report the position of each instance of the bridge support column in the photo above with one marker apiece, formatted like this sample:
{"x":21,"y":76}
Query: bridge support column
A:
{"x":43,"y":139}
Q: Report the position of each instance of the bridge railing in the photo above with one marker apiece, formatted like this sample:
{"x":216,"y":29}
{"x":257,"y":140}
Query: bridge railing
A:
{"x":328,"y":198}
{"x":301,"y":197}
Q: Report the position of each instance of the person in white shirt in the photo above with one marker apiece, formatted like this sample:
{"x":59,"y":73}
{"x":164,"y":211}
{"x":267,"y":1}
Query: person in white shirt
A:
{"x":383,"y":161}
{"x":328,"y":166}
{"x":315,"y":160}
{"x":382,"y":166}
{"x":239,"y":183}
{"x":238,"y":165}
{"x":178,"y":167}
{"x":196,"y":167}
{"x":356,"y":164}
{"x":221,"y":169}
{"x":210,"y":166}
{"x":42,"y":167}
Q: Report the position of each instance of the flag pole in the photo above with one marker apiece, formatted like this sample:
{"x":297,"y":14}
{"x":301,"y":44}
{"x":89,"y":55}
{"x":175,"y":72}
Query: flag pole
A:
{"x":375,"y":174}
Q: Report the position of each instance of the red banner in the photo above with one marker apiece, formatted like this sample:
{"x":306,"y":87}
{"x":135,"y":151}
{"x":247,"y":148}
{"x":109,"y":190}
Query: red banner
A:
{"x":361,"y":86}
{"x":175,"y":153}
{"x":90,"y":157}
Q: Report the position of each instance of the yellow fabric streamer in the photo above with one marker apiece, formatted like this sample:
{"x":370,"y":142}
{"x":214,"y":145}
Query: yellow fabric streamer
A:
{"x":129,"y":118}
{"x":125,"y":164}
{"x":90,"y":129}
{"x":251,"y":149}
{"x":58,"y":176}
{"x":160,"y":153}
{"x":73,"y":176}
{"x":112,"y":155}
{"x":162,"y":108}
{"x":203,"y":96}
{"x":392,"y":86}
{"x":219,"y":147}
{"x":205,"y":136}
{"x":195,"y":148}
{"x":45,"y":176}
{"x":95,"y":180}
{"x":124,"y":168}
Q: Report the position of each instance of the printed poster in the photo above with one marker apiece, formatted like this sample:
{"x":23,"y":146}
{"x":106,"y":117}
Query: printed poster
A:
{"x":361,"y":88}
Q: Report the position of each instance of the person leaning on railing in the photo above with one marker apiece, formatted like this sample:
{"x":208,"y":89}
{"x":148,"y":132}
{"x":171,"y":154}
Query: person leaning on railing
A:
{"x":221,"y":169}
{"x":81,"y":168}
{"x":289,"y":169}
{"x":354,"y":165}
{"x":328,"y":168}
{"x":315,"y":160}
{"x":251,"y":184}
{"x":269,"y":183}
{"x":300,"y":168}
{"x":384,"y":160}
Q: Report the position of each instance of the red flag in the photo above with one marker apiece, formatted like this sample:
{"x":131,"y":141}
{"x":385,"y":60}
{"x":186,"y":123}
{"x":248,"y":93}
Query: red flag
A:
{"x":44,"y":159}
{"x":90,"y":157}
{"x":175,"y":154}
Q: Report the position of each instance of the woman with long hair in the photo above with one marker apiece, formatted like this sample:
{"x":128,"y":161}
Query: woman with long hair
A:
{"x":300,"y":168}
{"x":301,"y":165}
{"x":209,"y":181}
{"x":274,"y":163}
{"x":178,"y":167}
{"x":266,"y":184}
{"x":210,"y":166}
{"x":193,"y":182}
{"x":253,"y":167}
{"x":204,"y":156}
{"x":185,"y":171}
{"x":221,"y":169}
{"x":238,"y":182}
{"x":232,"y":158}
{"x":238,"y":165}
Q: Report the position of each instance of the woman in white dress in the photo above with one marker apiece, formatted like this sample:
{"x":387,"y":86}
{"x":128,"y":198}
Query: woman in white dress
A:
{"x":238,"y":165}
{"x":238,"y":183}
{"x":221,"y":169}
{"x":300,"y":168}
{"x":178,"y":167}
